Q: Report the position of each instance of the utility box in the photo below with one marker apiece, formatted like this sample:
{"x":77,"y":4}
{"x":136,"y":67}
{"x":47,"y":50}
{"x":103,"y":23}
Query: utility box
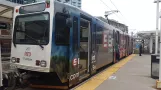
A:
{"x":155,"y":58}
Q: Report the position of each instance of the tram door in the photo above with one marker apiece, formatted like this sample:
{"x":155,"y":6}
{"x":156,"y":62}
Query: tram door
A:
{"x":73,"y":74}
{"x":84,"y":48}
{"x":79,"y":50}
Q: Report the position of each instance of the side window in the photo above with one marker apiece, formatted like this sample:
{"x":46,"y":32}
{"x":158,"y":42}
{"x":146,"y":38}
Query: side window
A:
{"x":62,"y":32}
{"x":128,"y":40}
{"x":94,"y":37}
{"x":118,"y":38}
{"x":84,"y":30}
{"x":115,"y":37}
{"x":110,"y":40}
{"x":75,"y":34}
{"x":99,"y":35}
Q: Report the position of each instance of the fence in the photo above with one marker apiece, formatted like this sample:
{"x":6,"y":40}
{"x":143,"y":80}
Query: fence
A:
{"x":5,"y":50}
{"x":5,"y":54}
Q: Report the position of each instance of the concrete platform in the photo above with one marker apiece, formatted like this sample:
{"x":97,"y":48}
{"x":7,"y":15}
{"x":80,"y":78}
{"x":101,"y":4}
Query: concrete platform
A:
{"x":134,"y":74}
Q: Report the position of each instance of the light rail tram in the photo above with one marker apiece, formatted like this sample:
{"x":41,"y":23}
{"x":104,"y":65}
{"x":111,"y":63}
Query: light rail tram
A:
{"x":56,"y":45}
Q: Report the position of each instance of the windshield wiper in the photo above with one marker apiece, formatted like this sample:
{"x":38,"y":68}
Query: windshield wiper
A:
{"x":42,"y":47}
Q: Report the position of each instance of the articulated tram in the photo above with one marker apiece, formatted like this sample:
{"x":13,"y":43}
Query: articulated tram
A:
{"x":56,"y":45}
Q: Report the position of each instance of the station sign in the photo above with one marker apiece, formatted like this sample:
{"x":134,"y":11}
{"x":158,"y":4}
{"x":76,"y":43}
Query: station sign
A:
{"x":32,"y":8}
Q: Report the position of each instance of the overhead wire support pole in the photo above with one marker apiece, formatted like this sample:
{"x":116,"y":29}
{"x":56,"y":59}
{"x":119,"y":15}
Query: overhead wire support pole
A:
{"x":160,"y":48}
{"x":158,"y":82}
{"x":157,"y":19}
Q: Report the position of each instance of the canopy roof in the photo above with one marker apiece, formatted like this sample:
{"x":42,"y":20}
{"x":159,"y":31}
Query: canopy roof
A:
{"x":6,"y":9}
{"x":147,"y":34}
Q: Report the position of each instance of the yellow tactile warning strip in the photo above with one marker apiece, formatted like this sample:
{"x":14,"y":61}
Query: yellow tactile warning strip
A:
{"x":95,"y":81}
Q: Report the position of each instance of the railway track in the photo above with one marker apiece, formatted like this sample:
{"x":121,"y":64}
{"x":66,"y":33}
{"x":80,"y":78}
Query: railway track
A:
{"x":72,"y":88}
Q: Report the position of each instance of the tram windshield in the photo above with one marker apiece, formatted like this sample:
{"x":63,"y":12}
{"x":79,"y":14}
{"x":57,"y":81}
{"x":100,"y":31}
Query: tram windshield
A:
{"x":31,"y":28}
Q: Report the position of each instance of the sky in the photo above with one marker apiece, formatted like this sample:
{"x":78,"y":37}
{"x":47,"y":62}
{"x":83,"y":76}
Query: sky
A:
{"x":138,"y":15}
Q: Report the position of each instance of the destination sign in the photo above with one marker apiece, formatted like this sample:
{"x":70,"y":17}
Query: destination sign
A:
{"x":3,"y":25}
{"x":32,"y":8}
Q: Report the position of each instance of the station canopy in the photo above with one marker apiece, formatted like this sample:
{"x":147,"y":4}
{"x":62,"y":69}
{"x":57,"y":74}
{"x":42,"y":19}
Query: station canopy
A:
{"x":6,"y":10}
{"x":147,"y":34}
{"x":6,"y":16}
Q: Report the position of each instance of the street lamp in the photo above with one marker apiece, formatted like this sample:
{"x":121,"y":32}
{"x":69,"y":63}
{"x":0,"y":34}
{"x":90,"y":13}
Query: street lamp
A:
{"x":157,"y":18}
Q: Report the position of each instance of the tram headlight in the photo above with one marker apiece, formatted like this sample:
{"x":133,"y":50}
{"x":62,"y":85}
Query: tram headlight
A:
{"x":43,"y":63}
{"x":13,"y":60}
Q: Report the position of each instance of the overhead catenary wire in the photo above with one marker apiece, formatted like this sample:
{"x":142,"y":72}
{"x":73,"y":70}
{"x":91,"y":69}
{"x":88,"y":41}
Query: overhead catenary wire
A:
{"x":111,"y":9}
{"x":105,"y":4}
{"x":119,"y":11}
{"x":125,"y":21}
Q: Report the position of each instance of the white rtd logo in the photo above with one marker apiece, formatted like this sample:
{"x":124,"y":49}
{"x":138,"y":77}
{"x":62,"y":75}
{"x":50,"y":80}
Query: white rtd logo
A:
{"x":74,"y":76}
{"x":75,"y":62}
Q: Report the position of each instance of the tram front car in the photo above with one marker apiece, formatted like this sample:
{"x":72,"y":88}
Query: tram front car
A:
{"x":33,"y":44}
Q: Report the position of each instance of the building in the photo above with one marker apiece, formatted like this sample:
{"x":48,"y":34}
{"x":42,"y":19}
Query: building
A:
{"x":76,"y":3}
{"x":24,"y":1}
{"x":6,"y":15}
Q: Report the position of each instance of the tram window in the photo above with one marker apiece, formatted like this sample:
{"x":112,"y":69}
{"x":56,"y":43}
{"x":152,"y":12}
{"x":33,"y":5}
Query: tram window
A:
{"x":110,"y":37}
{"x":115,"y":37}
{"x":118,"y":37}
{"x":61,"y":30}
{"x":75,"y":34}
{"x":94,"y":37}
{"x":128,"y":41}
{"x":29,"y":27}
{"x":84,"y":31}
{"x":99,"y":35}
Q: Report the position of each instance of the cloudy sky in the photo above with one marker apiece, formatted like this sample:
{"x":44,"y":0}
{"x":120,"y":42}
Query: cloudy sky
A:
{"x":137,"y":14}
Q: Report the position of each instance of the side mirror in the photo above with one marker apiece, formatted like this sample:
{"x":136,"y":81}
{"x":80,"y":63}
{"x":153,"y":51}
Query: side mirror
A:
{"x":69,"y":22}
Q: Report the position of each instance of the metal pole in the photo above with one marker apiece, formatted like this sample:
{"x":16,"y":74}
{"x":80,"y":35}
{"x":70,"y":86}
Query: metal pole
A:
{"x":132,"y":43}
{"x":151,"y":44}
{"x":156,"y":36}
{"x":160,"y":52}
{"x":1,"y":78}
